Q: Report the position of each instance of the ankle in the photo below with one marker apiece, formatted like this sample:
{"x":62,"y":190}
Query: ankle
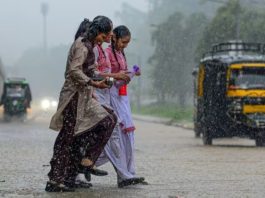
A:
{"x":87,"y":162}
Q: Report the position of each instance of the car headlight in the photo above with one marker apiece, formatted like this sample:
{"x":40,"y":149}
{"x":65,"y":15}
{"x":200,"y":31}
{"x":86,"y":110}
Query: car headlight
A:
{"x":15,"y":102}
{"x":236,"y":107}
{"x":45,"y":104}
{"x":54,"y":103}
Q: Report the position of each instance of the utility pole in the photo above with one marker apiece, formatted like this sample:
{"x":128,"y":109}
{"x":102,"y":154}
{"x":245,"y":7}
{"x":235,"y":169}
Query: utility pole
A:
{"x":238,"y":26}
{"x":2,"y":73}
{"x":44,"y":12}
{"x":2,"y":78}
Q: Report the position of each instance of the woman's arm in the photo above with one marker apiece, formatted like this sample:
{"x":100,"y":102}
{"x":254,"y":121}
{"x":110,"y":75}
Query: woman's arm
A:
{"x":76,"y":66}
{"x":118,"y":76}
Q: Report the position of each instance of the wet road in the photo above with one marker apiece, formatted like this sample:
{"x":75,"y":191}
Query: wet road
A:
{"x":174,"y":163}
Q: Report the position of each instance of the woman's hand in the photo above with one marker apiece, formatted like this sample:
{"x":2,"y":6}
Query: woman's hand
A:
{"x":138,"y":73}
{"x":122,"y":76}
{"x":100,"y":84}
{"x":94,"y":95}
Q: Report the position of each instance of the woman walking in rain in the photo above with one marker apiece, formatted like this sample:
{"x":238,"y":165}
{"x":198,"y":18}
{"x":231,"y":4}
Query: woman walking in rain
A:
{"x":80,"y":181}
{"x":121,"y":105}
{"x":85,"y":126}
{"x":112,"y":150}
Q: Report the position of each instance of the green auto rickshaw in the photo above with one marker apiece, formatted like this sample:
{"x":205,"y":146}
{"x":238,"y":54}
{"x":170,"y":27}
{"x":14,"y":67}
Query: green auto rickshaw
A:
{"x":16,"y":98}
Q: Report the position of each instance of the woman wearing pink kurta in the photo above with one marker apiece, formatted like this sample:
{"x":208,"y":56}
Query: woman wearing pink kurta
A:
{"x":114,"y":149}
{"x":120,"y":101}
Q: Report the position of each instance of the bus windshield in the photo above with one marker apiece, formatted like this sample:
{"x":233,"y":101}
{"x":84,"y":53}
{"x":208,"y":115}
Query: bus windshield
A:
{"x":247,"y":78}
{"x":15,"y":91}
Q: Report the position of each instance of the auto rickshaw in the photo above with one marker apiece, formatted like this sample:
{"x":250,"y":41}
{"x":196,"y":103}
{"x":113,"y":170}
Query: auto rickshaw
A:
{"x":16,"y":98}
{"x":229,"y":92}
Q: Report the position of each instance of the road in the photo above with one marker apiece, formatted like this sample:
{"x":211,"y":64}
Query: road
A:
{"x":174,"y":163}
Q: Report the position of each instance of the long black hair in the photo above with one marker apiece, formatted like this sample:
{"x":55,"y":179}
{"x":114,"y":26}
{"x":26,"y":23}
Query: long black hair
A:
{"x":83,"y":27}
{"x":119,"y":32}
{"x":100,"y":24}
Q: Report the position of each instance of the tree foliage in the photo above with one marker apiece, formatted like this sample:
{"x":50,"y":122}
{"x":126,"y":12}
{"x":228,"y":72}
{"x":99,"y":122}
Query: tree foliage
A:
{"x":175,"y":43}
{"x":249,"y":21}
{"x":142,"y":25}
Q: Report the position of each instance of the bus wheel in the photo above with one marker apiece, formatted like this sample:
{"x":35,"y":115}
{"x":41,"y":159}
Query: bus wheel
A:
{"x":197,"y":134}
{"x":198,"y":130}
{"x":207,"y":139}
{"x":7,"y":117}
{"x":260,"y":141}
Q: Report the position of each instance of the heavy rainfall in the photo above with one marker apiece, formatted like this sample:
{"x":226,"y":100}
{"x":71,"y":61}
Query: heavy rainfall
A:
{"x":143,"y":98}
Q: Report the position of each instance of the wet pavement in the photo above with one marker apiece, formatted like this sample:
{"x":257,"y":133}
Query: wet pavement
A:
{"x":174,"y":163}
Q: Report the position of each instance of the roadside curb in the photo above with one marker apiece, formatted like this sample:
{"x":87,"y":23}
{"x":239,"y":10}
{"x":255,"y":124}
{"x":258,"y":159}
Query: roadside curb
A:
{"x":165,"y":121}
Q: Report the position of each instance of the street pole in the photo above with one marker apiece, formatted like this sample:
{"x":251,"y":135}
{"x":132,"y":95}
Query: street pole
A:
{"x":44,"y":12}
{"x":2,"y":73}
{"x":238,"y":21}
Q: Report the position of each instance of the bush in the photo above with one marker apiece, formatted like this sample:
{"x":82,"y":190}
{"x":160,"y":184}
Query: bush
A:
{"x":171,"y":111}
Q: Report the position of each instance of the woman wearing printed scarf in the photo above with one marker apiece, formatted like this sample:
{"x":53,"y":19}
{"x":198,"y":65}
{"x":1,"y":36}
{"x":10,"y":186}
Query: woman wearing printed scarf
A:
{"x":85,"y":125}
{"x":81,"y":181}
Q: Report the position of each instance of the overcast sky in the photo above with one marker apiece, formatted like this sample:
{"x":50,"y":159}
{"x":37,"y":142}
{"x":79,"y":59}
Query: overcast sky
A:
{"x":21,"y":22}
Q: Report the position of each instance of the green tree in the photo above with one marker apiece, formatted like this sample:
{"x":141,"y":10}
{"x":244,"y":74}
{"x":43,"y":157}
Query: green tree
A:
{"x":175,"y":43}
{"x":164,"y":56}
{"x":142,"y":25}
{"x":224,"y":26}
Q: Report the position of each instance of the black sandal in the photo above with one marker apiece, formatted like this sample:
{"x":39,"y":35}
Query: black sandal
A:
{"x":131,"y":181}
{"x":97,"y":172}
{"x":93,"y":171}
{"x":144,"y":183}
{"x":82,"y":184}
{"x":55,"y":187}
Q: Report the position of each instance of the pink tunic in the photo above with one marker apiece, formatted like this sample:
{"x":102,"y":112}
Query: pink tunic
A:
{"x":115,"y":67}
{"x":119,"y":149}
{"x":103,"y":66}
{"x":121,"y":104}
{"x":102,"y":60}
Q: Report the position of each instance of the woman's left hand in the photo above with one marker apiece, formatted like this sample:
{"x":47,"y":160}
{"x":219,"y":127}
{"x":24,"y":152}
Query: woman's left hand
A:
{"x":94,"y":96}
{"x":138,"y":73}
{"x":100,"y":84}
